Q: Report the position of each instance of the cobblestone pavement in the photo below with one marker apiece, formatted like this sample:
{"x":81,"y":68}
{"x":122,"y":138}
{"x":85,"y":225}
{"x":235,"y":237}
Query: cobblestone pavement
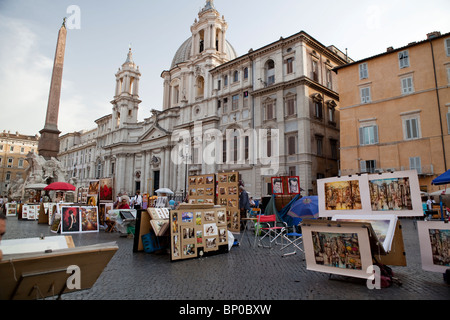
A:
{"x":243,"y":274}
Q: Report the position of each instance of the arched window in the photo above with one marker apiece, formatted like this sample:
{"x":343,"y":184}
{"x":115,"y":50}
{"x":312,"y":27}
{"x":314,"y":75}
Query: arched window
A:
{"x":236,"y":76}
{"x":270,"y":72}
{"x":200,"y":87}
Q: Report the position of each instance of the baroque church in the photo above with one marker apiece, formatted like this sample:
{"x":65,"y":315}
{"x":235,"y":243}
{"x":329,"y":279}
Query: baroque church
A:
{"x":270,"y":112}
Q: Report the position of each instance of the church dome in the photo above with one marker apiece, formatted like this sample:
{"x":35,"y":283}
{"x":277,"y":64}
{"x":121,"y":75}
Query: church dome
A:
{"x":184,"y":52}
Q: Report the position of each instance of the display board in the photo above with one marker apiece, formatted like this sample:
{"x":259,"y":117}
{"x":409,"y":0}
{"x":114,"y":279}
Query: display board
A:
{"x":202,"y":189}
{"x":195,"y":231}
{"x":228,"y":196}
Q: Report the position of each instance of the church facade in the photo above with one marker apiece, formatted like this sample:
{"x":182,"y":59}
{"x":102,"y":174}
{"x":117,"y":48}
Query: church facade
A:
{"x":270,"y":112}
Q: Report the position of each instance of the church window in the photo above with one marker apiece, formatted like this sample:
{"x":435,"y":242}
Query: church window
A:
{"x":270,"y":72}
{"x":200,"y":86}
{"x":236,"y":76}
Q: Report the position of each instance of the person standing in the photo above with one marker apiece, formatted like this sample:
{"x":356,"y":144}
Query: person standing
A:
{"x":137,"y":200}
{"x":244,"y":203}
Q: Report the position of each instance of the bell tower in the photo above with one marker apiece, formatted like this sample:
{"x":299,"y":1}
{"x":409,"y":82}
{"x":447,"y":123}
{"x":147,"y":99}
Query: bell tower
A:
{"x":208,"y":33}
{"x":126,"y":99}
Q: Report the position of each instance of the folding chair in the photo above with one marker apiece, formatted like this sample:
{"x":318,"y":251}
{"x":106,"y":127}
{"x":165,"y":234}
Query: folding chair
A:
{"x":272,"y":229}
{"x":294,"y":239}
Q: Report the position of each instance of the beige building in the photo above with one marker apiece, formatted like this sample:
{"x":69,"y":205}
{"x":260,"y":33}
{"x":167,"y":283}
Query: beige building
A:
{"x":14,"y":148}
{"x":395,"y":110}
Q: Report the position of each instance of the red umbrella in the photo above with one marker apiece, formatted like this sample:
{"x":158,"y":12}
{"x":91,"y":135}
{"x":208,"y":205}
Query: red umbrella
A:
{"x":61,"y":186}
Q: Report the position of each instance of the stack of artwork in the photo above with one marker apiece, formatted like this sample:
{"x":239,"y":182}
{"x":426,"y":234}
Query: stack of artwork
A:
{"x":362,"y":208}
{"x":195,"y":231}
{"x":159,"y":220}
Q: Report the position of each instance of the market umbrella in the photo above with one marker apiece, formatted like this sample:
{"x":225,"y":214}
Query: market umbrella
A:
{"x":164,"y":190}
{"x":36,"y":186}
{"x":442,"y":179}
{"x":304,"y":208}
{"x":60,"y":186}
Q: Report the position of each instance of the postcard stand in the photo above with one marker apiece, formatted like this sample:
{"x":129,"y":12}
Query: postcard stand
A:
{"x":198,"y":230}
{"x":40,"y":275}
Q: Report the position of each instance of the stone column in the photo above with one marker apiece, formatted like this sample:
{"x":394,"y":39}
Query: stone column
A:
{"x":49,"y":141}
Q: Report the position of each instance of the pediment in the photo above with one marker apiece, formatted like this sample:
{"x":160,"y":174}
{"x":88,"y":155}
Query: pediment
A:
{"x":154,"y":132}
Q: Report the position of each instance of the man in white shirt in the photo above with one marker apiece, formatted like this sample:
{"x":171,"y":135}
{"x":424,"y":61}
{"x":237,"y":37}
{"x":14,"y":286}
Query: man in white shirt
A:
{"x":137,"y":200}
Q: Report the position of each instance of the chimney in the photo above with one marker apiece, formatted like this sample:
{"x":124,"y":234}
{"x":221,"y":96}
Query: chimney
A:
{"x":389,"y":49}
{"x":433,"y":34}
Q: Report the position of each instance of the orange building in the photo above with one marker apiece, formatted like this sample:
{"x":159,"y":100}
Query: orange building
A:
{"x":395,"y":111}
{"x":14,"y":148}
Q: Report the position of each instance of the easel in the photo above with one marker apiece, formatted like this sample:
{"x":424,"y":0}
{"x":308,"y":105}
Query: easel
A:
{"x":44,"y":274}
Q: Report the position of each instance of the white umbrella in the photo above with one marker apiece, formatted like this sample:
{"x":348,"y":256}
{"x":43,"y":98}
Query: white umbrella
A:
{"x":36,"y":186}
{"x":439,"y":192}
{"x":164,"y":190}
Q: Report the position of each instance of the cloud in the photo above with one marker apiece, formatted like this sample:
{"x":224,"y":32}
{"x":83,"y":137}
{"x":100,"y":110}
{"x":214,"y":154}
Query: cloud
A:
{"x":24,"y":77}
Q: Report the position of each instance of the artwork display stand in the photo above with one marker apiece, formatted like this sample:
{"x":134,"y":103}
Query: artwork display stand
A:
{"x":39,"y":275}
{"x":228,"y":196}
{"x":202,"y":189}
{"x":197,"y":230}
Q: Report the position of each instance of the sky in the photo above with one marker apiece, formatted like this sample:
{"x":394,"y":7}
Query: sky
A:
{"x":101,"y":31}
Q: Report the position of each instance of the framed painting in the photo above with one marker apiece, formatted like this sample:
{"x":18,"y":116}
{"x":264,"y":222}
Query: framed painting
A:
{"x":343,"y":195}
{"x":396,"y":193}
{"x":89,"y":219}
{"x":343,"y":250}
{"x":70,"y":219}
{"x":434,"y":240}
{"x":293,"y":185}
{"x":277,"y":185}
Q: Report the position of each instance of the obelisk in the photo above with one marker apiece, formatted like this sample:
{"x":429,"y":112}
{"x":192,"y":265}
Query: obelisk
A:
{"x":49,"y":141}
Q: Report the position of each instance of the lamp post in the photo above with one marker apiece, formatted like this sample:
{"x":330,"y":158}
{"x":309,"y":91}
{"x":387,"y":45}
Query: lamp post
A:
{"x":186,"y":157}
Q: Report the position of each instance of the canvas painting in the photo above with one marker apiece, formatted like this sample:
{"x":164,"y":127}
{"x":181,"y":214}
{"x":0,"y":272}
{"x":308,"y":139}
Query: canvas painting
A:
{"x":70,"y":219}
{"x":89,"y":219}
{"x":341,"y":195}
{"x":94,"y":187}
{"x":337,"y":250}
{"x":434,"y":238}
{"x":106,"y":189}
{"x":396,"y":193}
{"x":293,"y":184}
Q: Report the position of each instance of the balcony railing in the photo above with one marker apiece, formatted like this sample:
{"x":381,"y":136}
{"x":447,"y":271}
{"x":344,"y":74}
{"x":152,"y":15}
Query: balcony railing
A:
{"x":427,"y":170}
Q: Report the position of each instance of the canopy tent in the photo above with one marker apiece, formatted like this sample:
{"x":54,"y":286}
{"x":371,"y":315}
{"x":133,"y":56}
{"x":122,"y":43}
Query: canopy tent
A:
{"x":442,"y":179}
